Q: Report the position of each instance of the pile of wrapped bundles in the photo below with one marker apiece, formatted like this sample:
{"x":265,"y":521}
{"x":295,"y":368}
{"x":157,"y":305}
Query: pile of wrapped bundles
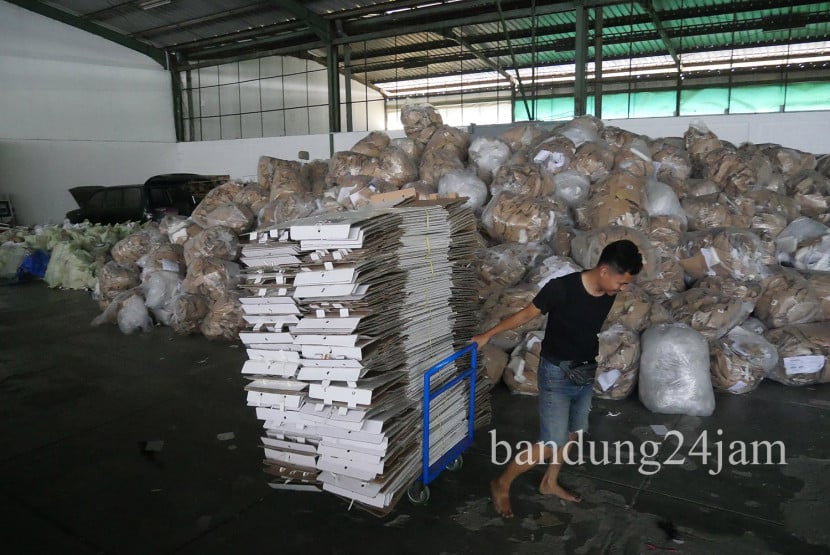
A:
{"x":735,"y":242}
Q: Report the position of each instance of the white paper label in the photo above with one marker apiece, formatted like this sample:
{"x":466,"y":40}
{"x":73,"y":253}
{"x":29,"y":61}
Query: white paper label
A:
{"x":263,"y":239}
{"x":607,"y":379}
{"x":262,"y":292}
{"x":252,"y":236}
{"x":169,"y":265}
{"x":807,"y":364}
{"x":321,"y":313}
{"x":739,"y":386}
{"x":711,"y":258}
{"x":328,"y":266}
{"x":344,"y":312}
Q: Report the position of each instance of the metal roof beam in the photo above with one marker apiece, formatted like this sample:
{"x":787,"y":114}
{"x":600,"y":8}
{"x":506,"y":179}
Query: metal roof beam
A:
{"x":321,"y":27}
{"x":216,"y":17}
{"x":450,"y":34}
{"x":648,"y":6}
{"x":79,"y":22}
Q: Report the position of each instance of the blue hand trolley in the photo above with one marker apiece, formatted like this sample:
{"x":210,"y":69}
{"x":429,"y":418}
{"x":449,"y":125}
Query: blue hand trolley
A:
{"x":451,"y":459}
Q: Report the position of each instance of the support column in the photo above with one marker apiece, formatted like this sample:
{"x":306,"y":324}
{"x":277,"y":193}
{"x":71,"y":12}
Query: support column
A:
{"x":580,"y":57}
{"x":347,"y":74}
{"x":334,"y":88}
{"x":598,"y":62}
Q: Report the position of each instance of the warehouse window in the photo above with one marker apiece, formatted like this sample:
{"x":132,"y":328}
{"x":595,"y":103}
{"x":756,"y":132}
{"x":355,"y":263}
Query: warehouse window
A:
{"x":268,"y":97}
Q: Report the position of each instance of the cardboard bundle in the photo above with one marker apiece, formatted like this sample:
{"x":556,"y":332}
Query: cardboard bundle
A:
{"x":115,"y":278}
{"x":487,"y":155}
{"x":437,"y":163}
{"x":505,"y":265}
{"x":519,"y":218}
{"x":635,"y":310}
{"x":345,"y":314}
{"x":787,"y":299}
{"x":820,"y":282}
{"x":277,"y":175}
{"x":803,"y":351}
{"x":708,"y":312}
{"x":726,"y":252}
{"x":619,"y":199}
{"x":617,"y":362}
{"x":522,"y":177}
{"x":349,"y":164}
{"x":521,"y":373}
{"x":523,"y":136}
{"x":788,"y":161}
{"x":717,"y":210}
{"x":372,"y":144}
{"x":510,"y":301}
{"x":420,"y":122}
{"x":740,"y":359}
{"x":811,"y":190}
{"x":729,"y":170}
{"x":554,"y":154}
{"x":594,"y":159}
{"x":215,"y":198}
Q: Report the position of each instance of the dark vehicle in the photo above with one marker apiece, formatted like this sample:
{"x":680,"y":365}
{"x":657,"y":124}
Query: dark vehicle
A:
{"x":176,"y":193}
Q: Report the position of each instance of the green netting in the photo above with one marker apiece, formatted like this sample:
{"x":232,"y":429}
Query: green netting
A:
{"x":751,"y":99}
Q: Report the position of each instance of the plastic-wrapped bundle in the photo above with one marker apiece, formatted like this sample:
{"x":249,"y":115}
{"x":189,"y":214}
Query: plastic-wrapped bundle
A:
{"x":674,"y":371}
{"x":672,"y":162}
{"x":110,"y":314}
{"x":494,"y":361}
{"x":275,"y":173}
{"x":420,"y":121}
{"x":619,"y":199}
{"x":411,"y":148}
{"x":717,"y":210}
{"x":823,"y":165}
{"x":813,"y":255}
{"x":740,"y":360}
{"x":587,"y":247}
{"x":346,"y":164}
{"x":701,"y":188}
{"x":523,"y":136}
{"x":129,"y":249}
{"x":754,"y":325}
{"x":396,"y":167}
{"x":253,"y":196}
{"x":726,"y":252}
{"x":594,"y":160}
{"x":114,"y":278}
{"x":361,"y":194}
{"x":437,"y":163}
{"x":510,"y":301}
{"x":170,"y":223}
{"x":617,"y":362}
{"x":450,"y":138}
{"x":800,"y":232}
{"x":561,"y":241}
{"x":550,"y":268}
{"x":709,"y":312}
{"x":787,"y":299}
{"x":372,"y":144}
{"x":160,"y":287}
{"x":487,"y":154}
{"x":284,"y":208}
{"x":225,"y":319}
{"x":582,"y":129}
{"x":314,"y":173}
{"x":505,"y":265}
{"x":820,"y":282}
{"x":179,"y":232}
{"x":554,"y":154}
{"x":519,"y":218}
{"x":133,"y":315}
{"x":237,"y":217}
{"x":766,"y":177}
{"x":811,"y":191}
{"x":522,"y":177}
{"x":726,"y":168}
{"x":212,"y":277}
{"x":731,"y":288}
{"x":634,"y":309}
{"x":619,"y":138}
{"x":213,"y":242}
{"x":216,"y":197}
{"x":787,"y":160}
{"x":572,"y":187}
{"x":772,"y":212}
{"x":661,"y":200}
{"x":803,"y":354}
{"x":699,"y":142}
{"x":521,"y":373}
{"x":327,"y":203}
{"x":667,"y":231}
{"x":464,"y":184}
{"x":188,"y":311}
{"x":635,"y":160}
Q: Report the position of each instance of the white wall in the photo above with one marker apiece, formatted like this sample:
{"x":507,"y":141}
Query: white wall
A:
{"x":75,"y":109}
{"x":806,"y":131}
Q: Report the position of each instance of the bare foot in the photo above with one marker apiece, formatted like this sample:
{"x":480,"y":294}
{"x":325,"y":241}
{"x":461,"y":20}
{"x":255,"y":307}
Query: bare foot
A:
{"x":559,"y":491}
{"x":501,"y":499}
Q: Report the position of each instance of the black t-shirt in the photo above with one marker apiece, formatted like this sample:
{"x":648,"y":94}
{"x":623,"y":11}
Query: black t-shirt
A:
{"x":574,"y":319}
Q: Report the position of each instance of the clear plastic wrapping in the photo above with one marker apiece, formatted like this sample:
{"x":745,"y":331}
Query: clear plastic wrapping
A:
{"x":188,"y":311}
{"x":523,"y":136}
{"x":572,"y":187}
{"x":114,"y":278}
{"x":803,"y":354}
{"x":523,"y":177}
{"x":729,"y":170}
{"x":708,"y":312}
{"x":718,"y":210}
{"x":449,"y":138}
{"x":635,"y":309}
{"x":550,"y":268}
{"x":510,"y":301}
{"x":661,"y":200}
{"x":253,"y":196}
{"x":787,"y":299}
{"x":437,"y":163}
{"x":674,"y":371}
{"x":224,"y":320}
{"x":619,"y":199}
{"x":216,"y":197}
{"x":160,"y":288}
{"x":505,"y":265}
{"x":726,"y":252}
{"x":396,"y":167}
{"x":486,"y":155}
{"x":788,"y":161}
{"x":133,"y":315}
{"x":522,"y":372}
{"x":618,"y":362}
{"x":594,"y":160}
{"x":349,"y":164}
{"x":740,"y":360}
{"x":494,"y":361}
{"x":214,"y":242}
{"x":372,"y":144}
{"x":582,"y":129}
{"x":238,"y":217}
{"x":284,"y":208}
{"x":212,"y":277}
{"x":464,"y":184}
{"x":420,"y":121}
{"x":315,"y":172}
{"x":129,"y":249}
{"x":554,"y":154}
{"x":811,"y":190}
{"x":519,"y":218}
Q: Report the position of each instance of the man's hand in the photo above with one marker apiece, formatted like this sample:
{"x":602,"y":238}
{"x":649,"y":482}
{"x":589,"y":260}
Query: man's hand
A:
{"x":481,"y":339}
{"x":522,"y":317}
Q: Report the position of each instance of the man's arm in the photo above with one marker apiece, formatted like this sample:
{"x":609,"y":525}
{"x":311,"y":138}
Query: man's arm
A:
{"x":524,"y":316}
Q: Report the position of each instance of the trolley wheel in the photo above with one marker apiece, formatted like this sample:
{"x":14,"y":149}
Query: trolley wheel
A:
{"x":456,"y":465}
{"x":418,"y":493}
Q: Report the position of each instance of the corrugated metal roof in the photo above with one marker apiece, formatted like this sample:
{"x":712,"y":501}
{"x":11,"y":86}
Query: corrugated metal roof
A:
{"x":225,"y":30}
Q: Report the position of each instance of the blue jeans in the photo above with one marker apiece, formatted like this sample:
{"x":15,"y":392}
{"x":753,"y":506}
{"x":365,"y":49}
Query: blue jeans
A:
{"x":563,"y":405}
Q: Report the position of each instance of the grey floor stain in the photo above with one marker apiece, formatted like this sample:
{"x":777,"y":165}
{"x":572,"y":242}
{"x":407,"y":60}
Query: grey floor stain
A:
{"x":477,"y":514}
{"x":806,"y":515}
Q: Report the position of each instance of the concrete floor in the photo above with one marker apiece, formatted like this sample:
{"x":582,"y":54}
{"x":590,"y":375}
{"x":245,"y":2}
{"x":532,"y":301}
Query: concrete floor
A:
{"x":78,"y":405}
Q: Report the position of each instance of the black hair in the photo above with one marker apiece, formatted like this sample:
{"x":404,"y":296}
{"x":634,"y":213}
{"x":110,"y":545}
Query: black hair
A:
{"x":623,"y":257}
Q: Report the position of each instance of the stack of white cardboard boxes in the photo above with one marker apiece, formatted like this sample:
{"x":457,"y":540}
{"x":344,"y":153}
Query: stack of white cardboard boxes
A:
{"x":346,"y":313}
